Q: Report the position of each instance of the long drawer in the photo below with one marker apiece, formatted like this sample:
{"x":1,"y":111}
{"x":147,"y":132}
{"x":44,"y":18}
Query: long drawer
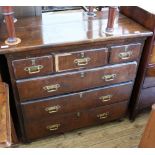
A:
{"x":68,"y":122}
{"x":46,"y":86}
{"x":81,"y":59}
{"x":77,"y":101}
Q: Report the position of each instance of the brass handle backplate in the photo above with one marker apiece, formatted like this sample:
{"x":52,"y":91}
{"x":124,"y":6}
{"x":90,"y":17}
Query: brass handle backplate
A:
{"x":51,"y":88}
{"x":52,"y":109}
{"x":82,"y":61}
{"x":33,"y":69}
{"x":109,"y":77}
{"x":125,"y":55}
{"x":105,"y":98}
{"x":53,"y":127}
{"x":103,"y":115}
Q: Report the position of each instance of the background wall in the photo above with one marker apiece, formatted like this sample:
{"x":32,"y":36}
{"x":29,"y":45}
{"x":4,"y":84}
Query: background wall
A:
{"x":25,"y":11}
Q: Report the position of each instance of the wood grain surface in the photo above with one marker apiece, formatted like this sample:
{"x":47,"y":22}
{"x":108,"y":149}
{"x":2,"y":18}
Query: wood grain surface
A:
{"x":148,"y":138}
{"x":5,"y":123}
{"x":124,"y":134}
{"x":71,"y":28}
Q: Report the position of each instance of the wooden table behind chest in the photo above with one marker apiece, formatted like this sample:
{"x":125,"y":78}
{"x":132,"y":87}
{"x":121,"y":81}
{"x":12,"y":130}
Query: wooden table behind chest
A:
{"x":143,"y":94}
{"x":68,"y":74}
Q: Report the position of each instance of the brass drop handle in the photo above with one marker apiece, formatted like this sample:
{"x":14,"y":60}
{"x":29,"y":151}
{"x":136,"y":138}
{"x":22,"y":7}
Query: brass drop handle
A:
{"x":103,"y":115}
{"x":53,"y":127}
{"x":34,"y":69}
{"x":105,"y":98}
{"x":109,"y":77}
{"x":51,"y":88}
{"x":82,"y":61}
{"x":125,"y":55}
{"x":52,"y":109}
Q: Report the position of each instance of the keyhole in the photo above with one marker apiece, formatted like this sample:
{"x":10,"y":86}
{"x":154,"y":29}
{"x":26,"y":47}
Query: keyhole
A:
{"x":82,"y":75}
{"x":126,"y":48}
{"x":78,"y":114}
{"x":33,"y":62}
{"x":81,"y":95}
{"x":82,"y":55}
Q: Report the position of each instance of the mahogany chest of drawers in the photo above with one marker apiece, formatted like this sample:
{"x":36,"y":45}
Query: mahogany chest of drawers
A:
{"x":65,"y":78}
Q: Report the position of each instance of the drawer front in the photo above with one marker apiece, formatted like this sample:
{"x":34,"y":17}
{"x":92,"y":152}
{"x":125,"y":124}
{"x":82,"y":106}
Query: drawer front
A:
{"x":149,"y":77}
{"x":68,"y":122}
{"x":75,"y":81}
{"x":31,"y":67}
{"x":125,"y":53}
{"x":152,"y":56}
{"x":81,"y":59}
{"x":147,"y":98}
{"x":77,"y":101}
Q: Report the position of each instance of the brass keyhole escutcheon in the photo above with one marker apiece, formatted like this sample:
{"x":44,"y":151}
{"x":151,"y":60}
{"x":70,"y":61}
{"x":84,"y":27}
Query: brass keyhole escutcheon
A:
{"x":78,"y":114}
{"x":82,"y":54}
{"x":81,"y":95}
{"x":82,"y":75}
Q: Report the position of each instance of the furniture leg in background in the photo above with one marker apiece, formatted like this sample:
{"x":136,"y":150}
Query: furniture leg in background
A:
{"x":5,"y":122}
{"x":144,"y":89}
{"x":7,"y":131}
{"x":148,"y":138}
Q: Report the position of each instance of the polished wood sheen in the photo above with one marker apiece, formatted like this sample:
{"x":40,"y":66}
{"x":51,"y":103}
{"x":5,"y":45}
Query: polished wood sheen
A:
{"x":77,"y":101}
{"x":72,"y":121}
{"x":152,"y":56}
{"x":64,"y":29}
{"x":87,"y":77}
{"x":7,"y":11}
{"x":34,"y":66}
{"x":75,"y":81}
{"x":5,"y":122}
{"x":147,"y":97}
{"x":111,"y":19}
{"x":125,"y":53}
{"x":149,"y":77}
{"x":9,"y":20}
{"x":145,"y":76}
{"x":148,"y":137}
{"x":81,"y":59}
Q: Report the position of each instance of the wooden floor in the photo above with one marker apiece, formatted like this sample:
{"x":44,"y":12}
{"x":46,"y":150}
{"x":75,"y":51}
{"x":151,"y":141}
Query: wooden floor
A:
{"x":124,"y":134}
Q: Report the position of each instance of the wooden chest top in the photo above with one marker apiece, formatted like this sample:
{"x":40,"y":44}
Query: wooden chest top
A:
{"x":70,"y":28}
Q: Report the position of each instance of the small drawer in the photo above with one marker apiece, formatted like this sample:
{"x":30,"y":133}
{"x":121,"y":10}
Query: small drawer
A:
{"x":81,"y":59}
{"x":62,"y":123}
{"x":30,"y":67}
{"x":125,"y":53}
{"x":149,"y":77}
{"x":152,"y":56}
{"x":78,"y":101}
{"x":52,"y":85}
